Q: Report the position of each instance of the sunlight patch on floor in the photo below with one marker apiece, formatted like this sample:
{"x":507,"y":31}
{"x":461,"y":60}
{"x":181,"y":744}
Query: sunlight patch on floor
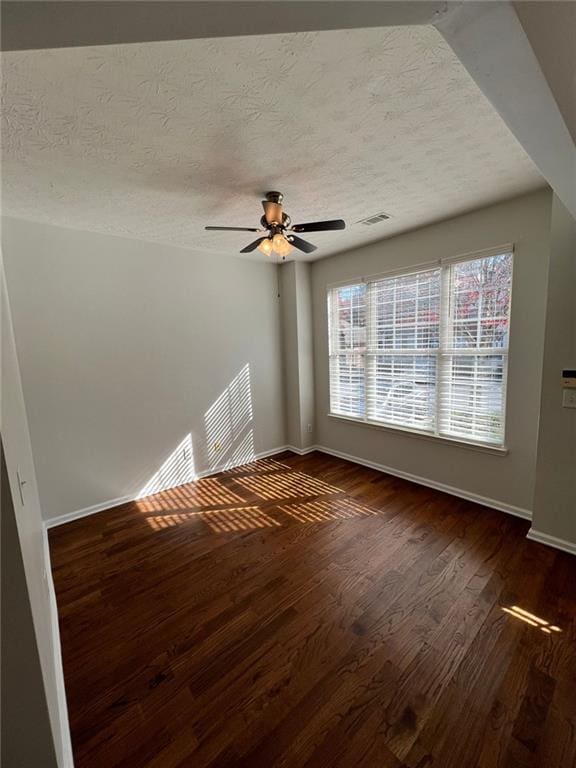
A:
{"x":218,"y":520}
{"x":532,"y":619}
{"x":284,"y":485}
{"x":260,"y":465}
{"x":206,"y":492}
{"x":327,"y":509}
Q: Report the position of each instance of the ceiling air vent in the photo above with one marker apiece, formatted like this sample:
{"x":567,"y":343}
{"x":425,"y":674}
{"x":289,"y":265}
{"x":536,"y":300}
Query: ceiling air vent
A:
{"x":376,"y":219}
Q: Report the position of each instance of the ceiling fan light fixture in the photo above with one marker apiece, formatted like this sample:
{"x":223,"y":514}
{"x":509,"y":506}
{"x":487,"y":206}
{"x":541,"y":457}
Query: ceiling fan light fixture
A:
{"x":265,"y":246}
{"x":281,"y":245}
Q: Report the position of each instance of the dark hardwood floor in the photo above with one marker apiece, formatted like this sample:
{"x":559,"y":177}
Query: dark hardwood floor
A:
{"x":305,"y":612}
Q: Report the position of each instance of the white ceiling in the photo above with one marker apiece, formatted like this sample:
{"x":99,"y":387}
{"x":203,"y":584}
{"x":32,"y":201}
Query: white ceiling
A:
{"x":156,"y":140}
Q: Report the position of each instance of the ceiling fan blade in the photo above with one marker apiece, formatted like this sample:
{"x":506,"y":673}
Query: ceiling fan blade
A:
{"x":319,"y":226}
{"x":253,"y":246}
{"x":302,"y":245}
{"x":237,"y":229}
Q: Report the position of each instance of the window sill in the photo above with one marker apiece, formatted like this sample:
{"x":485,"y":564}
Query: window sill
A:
{"x":482,"y":448}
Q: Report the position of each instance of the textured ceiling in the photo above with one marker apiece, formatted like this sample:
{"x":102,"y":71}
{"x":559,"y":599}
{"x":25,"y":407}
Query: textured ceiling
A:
{"x":155,"y":140}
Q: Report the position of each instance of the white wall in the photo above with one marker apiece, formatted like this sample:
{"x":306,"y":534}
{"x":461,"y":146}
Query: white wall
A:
{"x":555,"y":500}
{"x":32,"y":536}
{"x":298,"y":354}
{"x":127,"y":347}
{"x":507,"y":480}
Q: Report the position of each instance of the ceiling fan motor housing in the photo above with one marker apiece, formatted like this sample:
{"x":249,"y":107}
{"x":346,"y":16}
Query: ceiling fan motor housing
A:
{"x":274,"y":197}
{"x":274,"y":216}
{"x":275,"y":225}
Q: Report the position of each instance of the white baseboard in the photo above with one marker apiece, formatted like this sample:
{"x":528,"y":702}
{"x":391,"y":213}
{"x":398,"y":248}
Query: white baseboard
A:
{"x":66,"y":741}
{"x":501,"y":506}
{"x":68,"y":517}
{"x":77,"y":514}
{"x":484,"y":500}
{"x":552,"y":541}
{"x":301,"y":451}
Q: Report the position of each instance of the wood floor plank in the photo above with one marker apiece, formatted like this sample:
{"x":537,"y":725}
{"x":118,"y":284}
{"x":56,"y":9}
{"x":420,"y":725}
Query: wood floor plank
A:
{"x":302,"y":612}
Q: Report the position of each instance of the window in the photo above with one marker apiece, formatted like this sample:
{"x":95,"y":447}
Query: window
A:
{"x":426,"y":350}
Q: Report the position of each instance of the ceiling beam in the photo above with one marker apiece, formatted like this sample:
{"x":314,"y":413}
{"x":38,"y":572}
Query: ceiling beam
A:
{"x":37,"y":24}
{"x":490,"y":41}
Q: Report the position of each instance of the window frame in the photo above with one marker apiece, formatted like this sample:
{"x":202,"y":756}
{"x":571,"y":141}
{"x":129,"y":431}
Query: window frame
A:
{"x":441,"y":353}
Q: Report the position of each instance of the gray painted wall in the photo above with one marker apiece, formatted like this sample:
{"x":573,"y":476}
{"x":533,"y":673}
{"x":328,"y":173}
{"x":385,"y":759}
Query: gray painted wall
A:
{"x":31,"y":533}
{"x":108,"y":22}
{"x":555,"y":500}
{"x":306,"y":354}
{"x":508,"y":479}
{"x":551,"y":30}
{"x":298,"y":353}
{"x":26,"y":735}
{"x":126,"y":348}
{"x":288,"y":303}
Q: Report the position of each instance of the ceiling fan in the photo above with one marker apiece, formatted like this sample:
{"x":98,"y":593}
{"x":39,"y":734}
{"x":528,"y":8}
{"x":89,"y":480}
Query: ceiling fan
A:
{"x":280,"y":234}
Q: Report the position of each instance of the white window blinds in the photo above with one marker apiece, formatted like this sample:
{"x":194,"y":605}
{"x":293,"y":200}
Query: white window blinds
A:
{"x":347,"y":328}
{"x":426,"y":350}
